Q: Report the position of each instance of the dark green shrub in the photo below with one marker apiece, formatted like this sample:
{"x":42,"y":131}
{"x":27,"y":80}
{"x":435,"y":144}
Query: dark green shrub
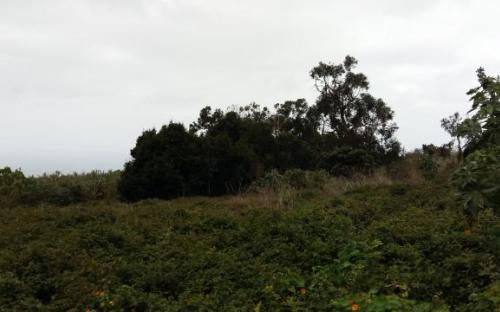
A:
{"x":13,"y":187}
{"x":346,"y":161}
{"x":347,"y":131}
{"x":428,"y":166}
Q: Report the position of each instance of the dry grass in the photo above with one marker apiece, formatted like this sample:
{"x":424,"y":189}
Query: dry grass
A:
{"x":286,"y":196}
{"x":281,"y":193}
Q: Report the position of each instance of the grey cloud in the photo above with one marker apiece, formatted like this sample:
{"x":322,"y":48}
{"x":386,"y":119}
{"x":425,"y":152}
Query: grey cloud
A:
{"x":79,"y":80}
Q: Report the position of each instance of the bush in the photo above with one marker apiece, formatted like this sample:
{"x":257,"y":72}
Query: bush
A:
{"x":173,"y":162}
{"x":428,"y":166}
{"x":346,"y":161}
{"x":295,"y":179}
{"x":377,"y":247}
{"x":13,"y":187}
{"x":56,"y":189}
{"x":224,"y":152}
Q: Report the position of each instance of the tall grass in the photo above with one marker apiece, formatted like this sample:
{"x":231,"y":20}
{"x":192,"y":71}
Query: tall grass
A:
{"x":283,"y":190}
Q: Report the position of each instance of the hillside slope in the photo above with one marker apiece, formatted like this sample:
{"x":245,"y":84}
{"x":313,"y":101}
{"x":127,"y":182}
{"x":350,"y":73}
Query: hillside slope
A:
{"x":374,"y":248}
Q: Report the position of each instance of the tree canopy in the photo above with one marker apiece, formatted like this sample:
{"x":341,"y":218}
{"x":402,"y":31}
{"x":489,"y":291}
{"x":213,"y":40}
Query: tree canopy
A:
{"x":346,"y":131}
{"x":353,"y":115}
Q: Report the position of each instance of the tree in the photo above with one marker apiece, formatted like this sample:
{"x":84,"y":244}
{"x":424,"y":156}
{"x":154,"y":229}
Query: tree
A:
{"x":354,"y":117}
{"x":452,"y":125}
{"x":477,"y":180}
{"x":13,"y":185}
{"x":166,"y":164}
{"x":346,"y":131}
{"x":486,"y":105}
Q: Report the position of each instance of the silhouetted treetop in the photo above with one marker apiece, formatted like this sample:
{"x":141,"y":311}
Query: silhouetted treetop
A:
{"x":346,"y":131}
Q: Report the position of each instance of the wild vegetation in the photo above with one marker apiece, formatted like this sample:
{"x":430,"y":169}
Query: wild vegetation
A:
{"x":478,"y":180}
{"x":57,"y":189}
{"x":346,"y":131}
{"x":391,"y":241}
{"x":318,"y":209}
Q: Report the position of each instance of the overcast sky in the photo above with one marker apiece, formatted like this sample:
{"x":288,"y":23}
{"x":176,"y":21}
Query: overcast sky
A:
{"x":81,"y":79}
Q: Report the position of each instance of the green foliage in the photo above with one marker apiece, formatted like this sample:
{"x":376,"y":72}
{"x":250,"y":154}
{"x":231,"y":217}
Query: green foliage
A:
{"x":296,"y":178}
{"x":347,"y":161}
{"x":452,"y":125}
{"x":488,"y":300}
{"x":477,"y":180}
{"x":354,"y":116}
{"x":376,"y":303}
{"x":13,"y":186}
{"x":346,"y":132}
{"x":428,"y":166}
{"x":166,"y":164}
{"x":486,"y":106}
{"x":56,"y":189}
{"x":383,"y":248}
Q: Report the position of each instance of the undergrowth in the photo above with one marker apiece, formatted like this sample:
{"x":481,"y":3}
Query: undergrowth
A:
{"x":386,"y":247}
{"x":390,"y":240}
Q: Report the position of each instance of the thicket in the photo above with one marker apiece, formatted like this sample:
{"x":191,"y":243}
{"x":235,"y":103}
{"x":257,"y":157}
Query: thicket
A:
{"x":64,"y":189}
{"x":346,"y":131}
{"x":56,"y":189}
{"x":372,"y":246}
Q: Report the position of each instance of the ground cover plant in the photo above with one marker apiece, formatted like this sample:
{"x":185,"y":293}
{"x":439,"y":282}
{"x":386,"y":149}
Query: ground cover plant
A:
{"x":376,"y":245}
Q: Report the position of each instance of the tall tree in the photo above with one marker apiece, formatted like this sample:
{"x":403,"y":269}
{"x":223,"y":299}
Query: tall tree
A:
{"x":486,"y":106}
{"x":452,"y":125}
{"x":355,"y":117}
{"x":477,"y":180}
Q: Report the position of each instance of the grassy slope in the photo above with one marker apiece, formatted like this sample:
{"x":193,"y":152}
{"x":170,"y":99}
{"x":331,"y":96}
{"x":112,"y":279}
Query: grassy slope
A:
{"x":383,"y":247}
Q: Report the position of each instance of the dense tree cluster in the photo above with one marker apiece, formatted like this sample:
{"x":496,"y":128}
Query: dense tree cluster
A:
{"x":346,"y":131}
